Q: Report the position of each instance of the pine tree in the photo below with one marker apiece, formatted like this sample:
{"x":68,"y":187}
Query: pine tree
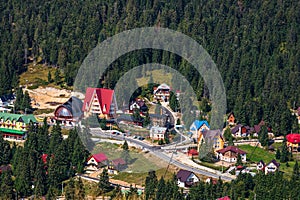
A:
{"x":160,"y":193}
{"x":80,"y":193}
{"x":6,"y":183}
{"x":150,"y":185}
{"x":278,"y":154}
{"x":263,"y":136}
{"x":70,"y":190}
{"x":49,"y":77}
{"x":296,"y":173}
{"x":104,"y":184}
{"x":284,"y":152}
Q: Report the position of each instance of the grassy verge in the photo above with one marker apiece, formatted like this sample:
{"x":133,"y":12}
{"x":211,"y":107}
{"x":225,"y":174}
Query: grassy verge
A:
{"x":139,"y":178}
{"x":257,"y":154}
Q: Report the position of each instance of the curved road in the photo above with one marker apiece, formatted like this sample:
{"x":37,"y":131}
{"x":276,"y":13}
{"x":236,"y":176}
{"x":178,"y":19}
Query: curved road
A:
{"x":157,"y":151}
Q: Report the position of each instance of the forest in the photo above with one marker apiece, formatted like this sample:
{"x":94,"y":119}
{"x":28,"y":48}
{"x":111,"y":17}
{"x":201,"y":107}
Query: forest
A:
{"x":253,"y":43}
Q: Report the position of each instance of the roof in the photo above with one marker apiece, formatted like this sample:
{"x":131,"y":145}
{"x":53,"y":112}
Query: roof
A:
{"x":163,"y":87}
{"x":293,"y":138}
{"x":7,"y":97}
{"x":193,"y":152}
{"x":25,"y":118}
{"x":104,"y":96}
{"x":118,"y":161}
{"x":298,"y":111}
{"x":44,"y":158}
{"x":262,"y":162}
{"x":99,"y":157}
{"x":198,"y":124}
{"x":157,"y":129}
{"x":230,"y":115}
{"x":233,"y":149}
{"x":183,"y":175}
{"x":73,"y":105}
{"x":274,"y":162}
{"x":211,"y":134}
{"x":9,"y":130}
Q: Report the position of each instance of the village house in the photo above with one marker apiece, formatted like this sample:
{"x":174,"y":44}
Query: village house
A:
{"x":100,"y":101}
{"x":116,"y":165}
{"x":212,"y":137}
{"x":197,"y":127}
{"x":138,"y":104}
{"x":230,"y":154}
{"x":186,"y":178}
{"x":15,"y":126}
{"x":69,"y":113}
{"x":257,"y":128}
{"x":158,"y":120}
{"x":6,"y":99}
{"x":161,"y":93}
{"x":240,"y":131}
{"x":260,"y":166}
{"x":292,"y":141}
{"x":157,"y":133}
{"x":231,"y":119}
{"x":272,"y":167}
{"x":96,"y":161}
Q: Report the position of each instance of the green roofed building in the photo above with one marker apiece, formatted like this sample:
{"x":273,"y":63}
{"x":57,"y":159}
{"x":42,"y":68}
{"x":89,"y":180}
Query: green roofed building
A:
{"x":15,"y":126}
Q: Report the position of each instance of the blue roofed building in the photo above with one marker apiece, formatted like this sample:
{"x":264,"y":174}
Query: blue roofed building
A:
{"x":197,"y":127}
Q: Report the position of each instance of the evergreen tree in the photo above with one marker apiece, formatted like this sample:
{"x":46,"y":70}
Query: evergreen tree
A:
{"x":278,"y":154}
{"x":296,"y":174}
{"x":57,"y":76}
{"x":80,"y":193}
{"x":160,"y":193}
{"x":125,"y":153}
{"x":150,"y":185}
{"x":284,"y":157}
{"x":6,"y":183}
{"x":70,"y":190}
{"x":263,"y":136}
{"x":104,"y":184}
{"x":49,"y":77}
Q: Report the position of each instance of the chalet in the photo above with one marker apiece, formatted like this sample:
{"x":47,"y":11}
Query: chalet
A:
{"x":230,"y":154}
{"x":6,"y":99}
{"x":161,"y":93}
{"x":15,"y":126}
{"x":197,"y":127}
{"x":69,"y":113}
{"x":186,"y":178}
{"x":116,"y":165}
{"x":293,"y":141}
{"x":272,"y":167}
{"x":157,"y":133}
{"x":240,"y":131}
{"x":256,"y":129}
{"x":231,"y":119}
{"x":96,"y":161}
{"x":100,"y":101}
{"x":260,"y":166}
{"x":138,"y":104}
{"x":213,"y":137}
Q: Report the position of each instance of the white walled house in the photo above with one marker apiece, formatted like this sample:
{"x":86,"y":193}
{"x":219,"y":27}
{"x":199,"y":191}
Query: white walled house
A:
{"x":272,"y":167}
{"x":186,"y":178}
{"x":230,"y":154}
{"x":157,"y":133}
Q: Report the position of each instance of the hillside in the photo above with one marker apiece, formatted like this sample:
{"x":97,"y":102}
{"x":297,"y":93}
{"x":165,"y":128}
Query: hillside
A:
{"x":253,"y":43}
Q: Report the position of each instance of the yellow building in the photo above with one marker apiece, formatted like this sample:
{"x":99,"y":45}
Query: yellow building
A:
{"x":15,"y":126}
{"x":211,"y":137}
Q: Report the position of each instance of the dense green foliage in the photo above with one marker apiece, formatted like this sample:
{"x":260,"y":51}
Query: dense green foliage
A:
{"x":36,"y":174}
{"x":254,"y":44}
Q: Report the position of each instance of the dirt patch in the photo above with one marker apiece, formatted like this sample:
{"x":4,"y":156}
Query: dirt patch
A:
{"x":49,"y":97}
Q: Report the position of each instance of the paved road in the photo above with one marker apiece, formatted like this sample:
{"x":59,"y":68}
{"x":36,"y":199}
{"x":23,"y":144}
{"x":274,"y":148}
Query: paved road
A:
{"x":157,"y":151}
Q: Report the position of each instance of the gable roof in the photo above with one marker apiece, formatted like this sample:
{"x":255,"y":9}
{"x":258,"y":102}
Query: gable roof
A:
{"x":274,"y":162}
{"x":118,"y":161}
{"x":73,"y":105}
{"x":99,"y":157}
{"x":293,"y":138}
{"x":103,"y":95}
{"x":233,"y":149}
{"x":262,"y":162}
{"x":197,"y":124}
{"x":25,"y":118}
{"x":183,"y":175}
{"x":231,"y":113}
{"x":211,"y":134}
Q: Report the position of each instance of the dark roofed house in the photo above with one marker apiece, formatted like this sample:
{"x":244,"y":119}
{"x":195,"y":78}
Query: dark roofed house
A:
{"x":116,"y":165}
{"x":5,"y":168}
{"x":186,"y":178}
{"x":240,"y":131}
{"x":272,"y":167}
{"x":260,"y":166}
{"x":230,"y":153}
{"x":69,"y":112}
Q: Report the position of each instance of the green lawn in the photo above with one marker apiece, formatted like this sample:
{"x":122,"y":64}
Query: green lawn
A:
{"x":258,"y":154}
{"x":139,"y":178}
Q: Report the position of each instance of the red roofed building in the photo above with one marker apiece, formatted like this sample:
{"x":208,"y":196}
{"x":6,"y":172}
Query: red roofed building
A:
{"x":230,"y":153}
{"x":96,"y":161}
{"x":292,"y":141}
{"x":100,"y":101}
{"x":193,"y":152}
{"x":116,"y":165}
